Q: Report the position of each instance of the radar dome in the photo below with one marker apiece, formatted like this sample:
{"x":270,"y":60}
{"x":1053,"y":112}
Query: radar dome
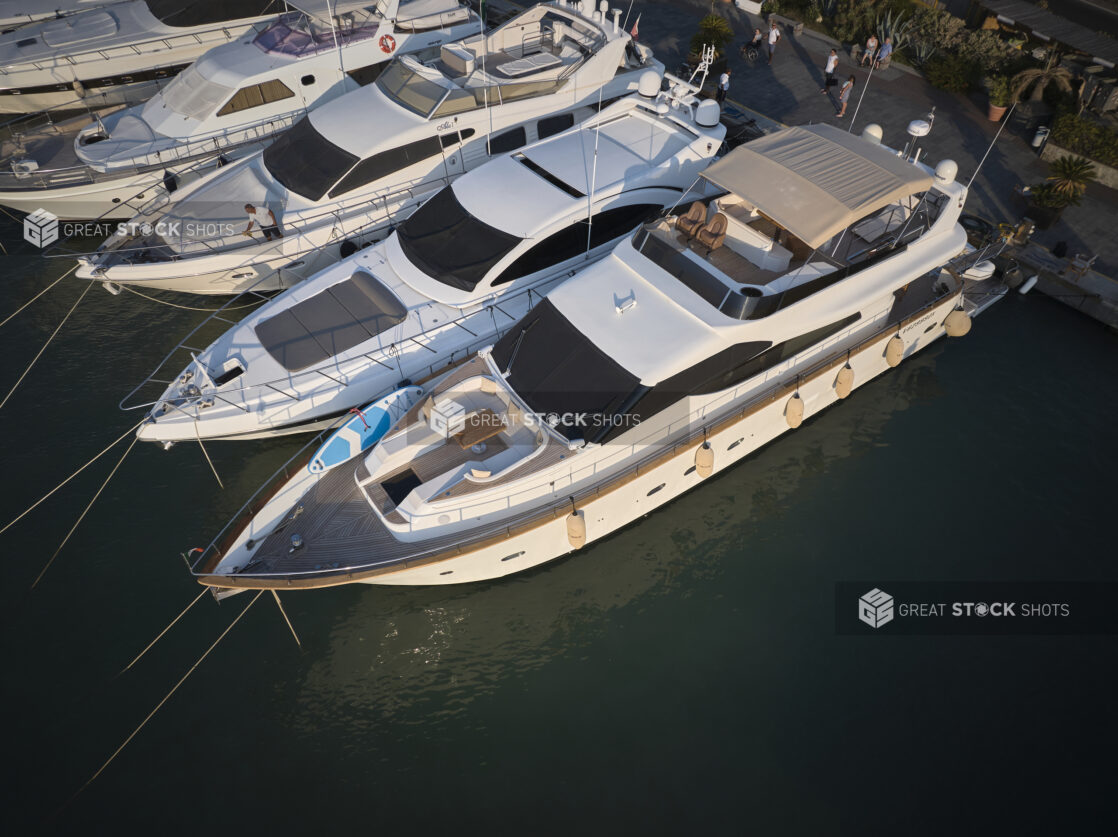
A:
{"x":707,"y":113}
{"x":649,"y":84}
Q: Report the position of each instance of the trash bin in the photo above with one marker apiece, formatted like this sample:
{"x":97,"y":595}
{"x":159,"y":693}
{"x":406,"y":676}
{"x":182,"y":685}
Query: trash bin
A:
{"x":1040,"y":138}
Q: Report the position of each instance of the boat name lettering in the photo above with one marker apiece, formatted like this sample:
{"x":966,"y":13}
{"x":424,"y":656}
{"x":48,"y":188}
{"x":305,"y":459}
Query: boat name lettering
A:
{"x":446,"y":126}
{"x":918,"y":323}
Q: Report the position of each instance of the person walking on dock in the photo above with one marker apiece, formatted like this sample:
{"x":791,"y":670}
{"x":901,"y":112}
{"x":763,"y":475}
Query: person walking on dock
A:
{"x":723,"y":86}
{"x":844,"y":96}
{"x":774,"y":36}
{"x":829,"y":79}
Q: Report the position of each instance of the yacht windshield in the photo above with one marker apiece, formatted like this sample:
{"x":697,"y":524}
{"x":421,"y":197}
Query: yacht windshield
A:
{"x":306,"y":162}
{"x":555,"y":368}
{"x":407,"y":88}
{"x":449,"y":244}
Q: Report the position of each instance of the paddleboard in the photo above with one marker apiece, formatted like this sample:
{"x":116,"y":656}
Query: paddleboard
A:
{"x":364,"y":429}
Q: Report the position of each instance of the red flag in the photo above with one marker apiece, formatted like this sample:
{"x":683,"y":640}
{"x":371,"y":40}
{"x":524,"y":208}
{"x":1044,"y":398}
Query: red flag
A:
{"x":635,"y":25}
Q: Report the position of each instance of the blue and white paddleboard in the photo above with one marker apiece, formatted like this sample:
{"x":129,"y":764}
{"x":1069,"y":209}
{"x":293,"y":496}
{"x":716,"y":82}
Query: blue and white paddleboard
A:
{"x":363,"y":430}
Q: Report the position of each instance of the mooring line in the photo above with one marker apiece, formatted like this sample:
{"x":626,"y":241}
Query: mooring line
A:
{"x":285,"y":619}
{"x":188,"y":307}
{"x":203,"y":447}
{"x":39,"y":294}
{"x":40,"y":354}
{"x":120,"y":462}
{"x":159,"y":705}
{"x":46,"y":496}
{"x":205,"y":590}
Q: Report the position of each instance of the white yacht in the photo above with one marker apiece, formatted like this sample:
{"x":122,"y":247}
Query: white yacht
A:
{"x":347,"y":172}
{"x":15,"y":13}
{"x":464,"y":267}
{"x":114,"y":47}
{"x":828,"y":260}
{"x":223,"y":107}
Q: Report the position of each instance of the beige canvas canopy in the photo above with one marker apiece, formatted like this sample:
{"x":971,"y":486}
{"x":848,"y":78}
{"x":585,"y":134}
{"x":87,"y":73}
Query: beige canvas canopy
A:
{"x":816,"y":180}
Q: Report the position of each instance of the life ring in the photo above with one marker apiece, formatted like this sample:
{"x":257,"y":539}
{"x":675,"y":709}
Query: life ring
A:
{"x":387,"y":43}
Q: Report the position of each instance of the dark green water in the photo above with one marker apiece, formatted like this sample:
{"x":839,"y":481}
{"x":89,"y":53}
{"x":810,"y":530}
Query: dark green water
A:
{"x":683,"y":676}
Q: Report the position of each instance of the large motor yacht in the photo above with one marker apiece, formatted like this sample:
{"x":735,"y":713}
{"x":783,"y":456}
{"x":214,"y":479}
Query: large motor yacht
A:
{"x":463,"y":268}
{"x":225,"y":106}
{"x":828,"y":260}
{"x":354,"y":167}
{"x":15,"y":13}
{"x":115,"y":47}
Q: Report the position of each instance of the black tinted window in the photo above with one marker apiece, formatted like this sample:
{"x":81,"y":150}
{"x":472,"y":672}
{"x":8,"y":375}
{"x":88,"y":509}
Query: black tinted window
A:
{"x":367,"y":75}
{"x":387,"y":162}
{"x":508,"y":141}
{"x":554,"y":124}
{"x":305,"y":161}
{"x":571,"y":241}
{"x":449,"y":244}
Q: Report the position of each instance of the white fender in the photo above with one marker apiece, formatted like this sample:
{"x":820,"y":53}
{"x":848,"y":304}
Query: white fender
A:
{"x":576,"y":529}
{"x":794,"y":411}
{"x":894,"y":350}
{"x":704,"y":460}
{"x":957,"y":323}
{"x":844,"y":383}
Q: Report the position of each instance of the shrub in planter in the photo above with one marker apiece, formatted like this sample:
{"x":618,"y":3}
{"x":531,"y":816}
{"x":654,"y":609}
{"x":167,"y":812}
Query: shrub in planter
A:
{"x":1087,"y":138}
{"x":999,"y":91}
{"x":953,"y":73}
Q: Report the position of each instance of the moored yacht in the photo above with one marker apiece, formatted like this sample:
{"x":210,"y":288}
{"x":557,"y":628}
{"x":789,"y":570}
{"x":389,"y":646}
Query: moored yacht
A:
{"x":464,"y":267}
{"x":114,"y":47}
{"x":15,"y":13}
{"x":347,"y":172}
{"x":223,"y":107}
{"x":699,"y":339}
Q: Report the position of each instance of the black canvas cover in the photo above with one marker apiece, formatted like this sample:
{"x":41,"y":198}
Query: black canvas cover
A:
{"x":306,"y":162}
{"x":449,"y":244}
{"x":330,"y":322}
{"x":556,"y":369}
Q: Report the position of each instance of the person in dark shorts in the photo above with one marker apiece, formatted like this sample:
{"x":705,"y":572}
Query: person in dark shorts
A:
{"x":265,"y":218}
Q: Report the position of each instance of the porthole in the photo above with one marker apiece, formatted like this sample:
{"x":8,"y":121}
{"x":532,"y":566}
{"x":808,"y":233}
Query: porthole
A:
{"x":448,"y":572}
{"x":514,"y":555}
{"x":657,"y":488}
{"x":689,"y":471}
{"x":735,"y":444}
{"x":305,"y":80}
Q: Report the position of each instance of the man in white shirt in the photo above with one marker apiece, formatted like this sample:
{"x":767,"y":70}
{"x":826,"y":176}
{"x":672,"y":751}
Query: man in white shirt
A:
{"x":265,"y":218}
{"x":723,"y":86}
{"x":774,"y":36}
{"x":829,"y":71}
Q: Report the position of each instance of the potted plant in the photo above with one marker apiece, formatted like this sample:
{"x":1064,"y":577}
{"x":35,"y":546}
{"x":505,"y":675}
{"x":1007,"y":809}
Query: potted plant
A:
{"x":998,"y":88}
{"x":1063,"y":187}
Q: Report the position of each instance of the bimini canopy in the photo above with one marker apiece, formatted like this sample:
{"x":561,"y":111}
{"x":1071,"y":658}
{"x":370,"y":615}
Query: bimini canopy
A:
{"x":817,"y":180}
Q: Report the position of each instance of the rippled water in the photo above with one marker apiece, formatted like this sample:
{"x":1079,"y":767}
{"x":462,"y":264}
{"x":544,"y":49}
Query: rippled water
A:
{"x":682,"y":676}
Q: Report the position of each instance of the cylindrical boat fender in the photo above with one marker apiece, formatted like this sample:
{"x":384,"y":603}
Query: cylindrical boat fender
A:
{"x":894,"y":350}
{"x":1013,"y":277}
{"x":794,"y":411}
{"x":576,"y":529}
{"x":704,"y":460}
{"x":957,"y":323}
{"x":844,"y":383}
{"x":1028,"y":284}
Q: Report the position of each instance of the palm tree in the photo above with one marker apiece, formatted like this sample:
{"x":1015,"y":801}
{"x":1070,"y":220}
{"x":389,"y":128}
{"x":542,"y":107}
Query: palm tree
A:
{"x":713,"y":30}
{"x":1069,"y":178}
{"x":1041,"y":78}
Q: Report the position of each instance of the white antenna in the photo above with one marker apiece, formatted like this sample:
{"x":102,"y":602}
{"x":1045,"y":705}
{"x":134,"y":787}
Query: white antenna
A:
{"x":593,"y":173}
{"x":334,"y":32}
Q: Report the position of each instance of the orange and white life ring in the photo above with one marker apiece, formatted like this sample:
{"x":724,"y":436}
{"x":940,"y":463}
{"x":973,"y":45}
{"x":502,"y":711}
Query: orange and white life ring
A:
{"x":387,"y":43}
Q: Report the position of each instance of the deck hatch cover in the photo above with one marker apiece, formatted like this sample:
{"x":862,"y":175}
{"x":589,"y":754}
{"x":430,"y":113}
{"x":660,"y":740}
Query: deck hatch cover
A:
{"x":330,"y":322}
